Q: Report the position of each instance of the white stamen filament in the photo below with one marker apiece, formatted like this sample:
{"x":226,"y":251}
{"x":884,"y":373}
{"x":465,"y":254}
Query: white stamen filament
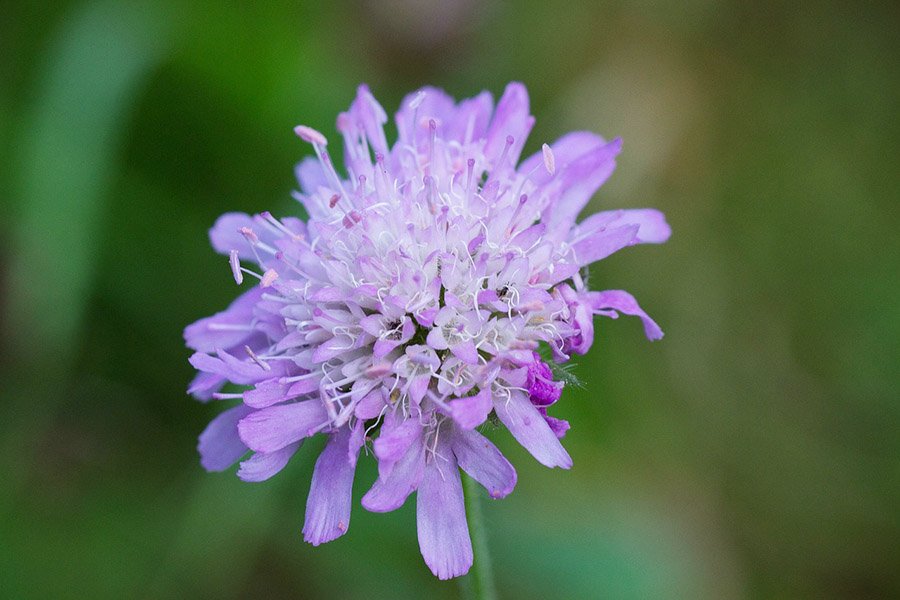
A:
{"x":256,"y":359}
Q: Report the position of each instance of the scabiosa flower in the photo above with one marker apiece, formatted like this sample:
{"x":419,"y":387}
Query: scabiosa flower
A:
{"x":407,"y":310}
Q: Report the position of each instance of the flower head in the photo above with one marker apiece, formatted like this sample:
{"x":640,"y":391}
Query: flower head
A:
{"x":407,"y":309}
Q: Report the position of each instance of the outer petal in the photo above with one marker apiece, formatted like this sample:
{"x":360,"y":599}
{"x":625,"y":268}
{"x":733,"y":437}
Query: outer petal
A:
{"x":652,"y":226}
{"x":441,"y":517}
{"x":612,"y":300}
{"x":580,"y":180}
{"x":268,"y":392}
{"x":263,"y":465}
{"x":204,"y":385}
{"x":484,"y":463}
{"x":412,"y":121}
{"x":273,"y":428}
{"x":310,"y":175}
{"x":233,"y":369}
{"x":330,"y":495}
{"x":565,"y":150}
{"x":390,"y":492}
{"x":471,"y":119}
{"x":357,"y":440}
{"x":510,"y":118}
{"x":225,"y":234}
{"x":372,"y":117}
{"x":530,"y":429}
{"x":219,"y":444}
{"x":602,"y":244}
{"x":224,"y":329}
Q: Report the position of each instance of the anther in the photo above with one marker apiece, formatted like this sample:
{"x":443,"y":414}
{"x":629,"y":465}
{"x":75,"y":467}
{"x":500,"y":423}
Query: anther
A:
{"x":268,"y":278}
{"x":249,"y":235}
{"x":235,"y":263}
{"x":549,"y":159}
{"x":415,"y":102}
{"x":310,"y":135}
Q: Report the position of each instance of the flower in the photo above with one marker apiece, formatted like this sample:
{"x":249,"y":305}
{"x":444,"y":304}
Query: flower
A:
{"x":409,"y":307}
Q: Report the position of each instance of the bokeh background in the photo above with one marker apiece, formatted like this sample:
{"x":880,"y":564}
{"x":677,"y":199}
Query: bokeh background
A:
{"x":753,"y":453}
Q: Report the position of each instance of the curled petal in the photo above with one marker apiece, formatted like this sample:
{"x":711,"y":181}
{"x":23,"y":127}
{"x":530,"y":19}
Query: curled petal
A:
{"x":204,"y":385}
{"x":219,"y":445}
{"x":623,"y":302}
{"x":225,"y":329}
{"x":472,"y":411}
{"x":559,"y":426}
{"x":263,"y":465}
{"x":390,"y":492}
{"x":232,"y":369}
{"x":268,"y":392}
{"x":397,"y":434}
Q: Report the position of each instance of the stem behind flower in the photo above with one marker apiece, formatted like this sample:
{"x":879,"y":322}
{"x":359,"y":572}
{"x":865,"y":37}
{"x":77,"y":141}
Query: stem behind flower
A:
{"x":479,"y":583}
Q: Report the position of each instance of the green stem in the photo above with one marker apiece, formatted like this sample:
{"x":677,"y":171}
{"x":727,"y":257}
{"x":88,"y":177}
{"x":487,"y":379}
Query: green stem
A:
{"x":479,"y":583}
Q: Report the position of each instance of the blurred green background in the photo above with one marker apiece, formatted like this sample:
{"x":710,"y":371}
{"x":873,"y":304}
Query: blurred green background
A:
{"x":753,"y":453}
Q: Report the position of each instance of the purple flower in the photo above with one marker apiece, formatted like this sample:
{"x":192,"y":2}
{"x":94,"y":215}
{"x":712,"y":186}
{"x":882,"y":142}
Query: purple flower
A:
{"x":407,"y":310}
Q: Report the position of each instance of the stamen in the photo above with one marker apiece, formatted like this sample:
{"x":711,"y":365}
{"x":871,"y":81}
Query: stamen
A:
{"x":428,"y":181}
{"x":279,"y":226}
{"x":310,"y":135}
{"x":549,"y":159}
{"x":256,"y":359}
{"x":328,"y":167}
{"x":228,"y":327}
{"x":382,"y":185}
{"x":268,"y":278}
{"x":432,"y":132}
{"x":509,"y":142}
{"x":417,"y":101}
{"x":235,"y":263}
{"x":249,"y":235}
{"x":500,"y":161}
{"x":512,"y":220}
{"x":295,"y":378}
